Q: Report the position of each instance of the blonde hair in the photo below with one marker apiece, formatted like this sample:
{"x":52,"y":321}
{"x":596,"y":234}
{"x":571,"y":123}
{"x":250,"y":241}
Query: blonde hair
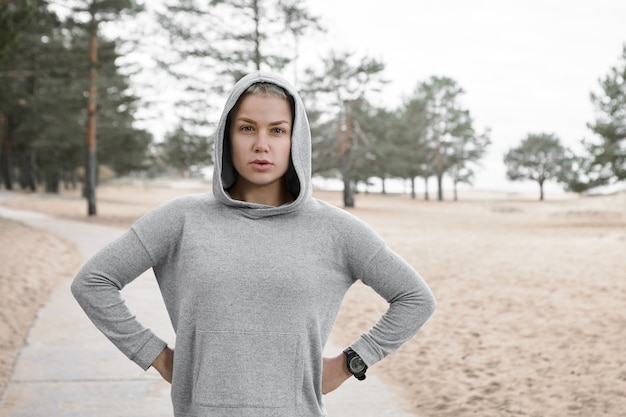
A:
{"x":266,"y":89}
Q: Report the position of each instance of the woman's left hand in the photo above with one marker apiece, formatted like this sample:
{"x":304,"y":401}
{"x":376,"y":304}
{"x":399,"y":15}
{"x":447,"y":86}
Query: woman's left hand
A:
{"x":164,"y":363}
{"x":335,"y":372}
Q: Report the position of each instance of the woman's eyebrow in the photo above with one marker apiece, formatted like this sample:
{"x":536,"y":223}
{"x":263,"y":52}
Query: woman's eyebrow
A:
{"x":245,"y":119}
{"x":279,"y":122}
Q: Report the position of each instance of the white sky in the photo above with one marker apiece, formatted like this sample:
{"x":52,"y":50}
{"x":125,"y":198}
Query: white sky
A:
{"x":526,"y":66}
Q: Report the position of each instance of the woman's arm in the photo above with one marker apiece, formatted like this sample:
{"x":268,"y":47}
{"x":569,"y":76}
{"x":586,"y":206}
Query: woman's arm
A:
{"x":97,"y":289}
{"x":411,"y":303}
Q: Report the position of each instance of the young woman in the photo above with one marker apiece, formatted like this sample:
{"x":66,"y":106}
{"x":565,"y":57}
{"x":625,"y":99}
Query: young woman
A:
{"x":253,"y":275}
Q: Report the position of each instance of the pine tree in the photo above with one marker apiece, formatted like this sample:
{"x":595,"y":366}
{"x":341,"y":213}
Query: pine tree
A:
{"x":608,"y":154}
{"x":539,"y":157}
{"x":343,"y":84}
{"x":89,"y":15}
{"x":417,"y":154}
{"x":451,"y":137}
{"x":212,"y":44}
{"x":184,"y":151}
{"x":26,"y":67}
{"x":46,"y":106}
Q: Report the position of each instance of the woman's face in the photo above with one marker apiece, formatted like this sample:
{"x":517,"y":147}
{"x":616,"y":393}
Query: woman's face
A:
{"x":260,"y":136}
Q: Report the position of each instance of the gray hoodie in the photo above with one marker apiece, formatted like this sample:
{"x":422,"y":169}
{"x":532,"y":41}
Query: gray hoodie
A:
{"x":252,"y":291}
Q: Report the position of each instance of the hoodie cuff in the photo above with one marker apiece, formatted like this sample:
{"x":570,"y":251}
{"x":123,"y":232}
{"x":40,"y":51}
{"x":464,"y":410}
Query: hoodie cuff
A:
{"x":369,"y":355}
{"x":149,"y":352}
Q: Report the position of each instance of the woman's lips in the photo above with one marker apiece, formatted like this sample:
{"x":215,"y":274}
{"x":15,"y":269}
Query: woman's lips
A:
{"x":260,"y":165}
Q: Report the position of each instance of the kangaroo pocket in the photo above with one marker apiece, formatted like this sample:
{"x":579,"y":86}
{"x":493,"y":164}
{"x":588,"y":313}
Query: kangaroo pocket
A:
{"x":247,"y":369}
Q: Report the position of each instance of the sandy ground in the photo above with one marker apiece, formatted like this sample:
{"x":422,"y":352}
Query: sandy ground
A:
{"x":532,"y":296}
{"x":32,"y":263}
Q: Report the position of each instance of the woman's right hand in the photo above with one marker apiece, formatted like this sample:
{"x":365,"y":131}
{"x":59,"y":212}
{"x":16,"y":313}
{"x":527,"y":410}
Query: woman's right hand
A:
{"x":335,"y":372}
{"x":164,"y":363}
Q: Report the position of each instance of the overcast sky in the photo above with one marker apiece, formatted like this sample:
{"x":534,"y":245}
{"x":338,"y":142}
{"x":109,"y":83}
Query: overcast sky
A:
{"x":526,"y":66}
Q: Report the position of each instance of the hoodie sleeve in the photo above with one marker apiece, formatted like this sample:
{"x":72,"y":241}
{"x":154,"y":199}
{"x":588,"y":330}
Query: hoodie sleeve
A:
{"x":97,"y":288}
{"x":411,"y":302}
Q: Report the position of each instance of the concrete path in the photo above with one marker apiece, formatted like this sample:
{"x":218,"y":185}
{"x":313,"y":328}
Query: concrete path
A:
{"x":67,"y":368}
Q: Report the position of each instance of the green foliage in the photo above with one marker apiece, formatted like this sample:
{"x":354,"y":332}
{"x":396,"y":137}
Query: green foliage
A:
{"x":443,"y":134}
{"x":44,"y":95}
{"x":411,"y":138}
{"x":184,"y":151}
{"x":102,"y":10}
{"x":608,"y":153}
{"x":603,"y":161}
{"x":211,"y":45}
{"x":15,"y":17}
{"x":430,"y":134}
{"x":539,"y":157}
{"x":574,"y":167}
{"x":382,"y":157}
{"x":342,"y":86}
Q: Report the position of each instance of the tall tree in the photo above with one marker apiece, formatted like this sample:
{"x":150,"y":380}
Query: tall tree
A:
{"x":121,"y":144}
{"x":382,"y":153}
{"x":23,"y":26}
{"x":450,"y":132}
{"x":46,"y":106}
{"x":15,"y":17}
{"x":412,"y":139}
{"x":91,"y":166}
{"x":468,"y":148}
{"x":608,"y":154}
{"x":96,"y":12}
{"x":298,"y":22}
{"x":343,"y":83}
{"x":212,"y":44}
{"x":539,"y":157}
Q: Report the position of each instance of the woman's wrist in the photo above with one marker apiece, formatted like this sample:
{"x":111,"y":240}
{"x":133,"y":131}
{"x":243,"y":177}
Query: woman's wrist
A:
{"x":164,"y":364}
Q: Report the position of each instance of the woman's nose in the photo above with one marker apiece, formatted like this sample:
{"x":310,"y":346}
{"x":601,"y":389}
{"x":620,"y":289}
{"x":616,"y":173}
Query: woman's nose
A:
{"x":261,"y":144}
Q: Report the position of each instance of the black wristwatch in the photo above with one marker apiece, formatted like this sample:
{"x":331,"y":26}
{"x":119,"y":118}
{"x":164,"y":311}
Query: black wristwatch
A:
{"x":356,"y":366}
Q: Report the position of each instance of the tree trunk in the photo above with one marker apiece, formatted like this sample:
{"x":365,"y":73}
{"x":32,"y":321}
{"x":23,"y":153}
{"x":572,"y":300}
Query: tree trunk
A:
{"x":426,"y":196}
{"x":348,"y":193}
{"x":348,"y":190}
{"x":343,"y":151}
{"x":456,"y":197}
{"x":5,"y":151}
{"x":91,"y":163}
{"x":28,"y":170}
{"x":52,"y":181}
{"x":69,"y":179}
{"x":540,"y":190}
{"x":439,"y":187}
{"x":384,"y":190}
{"x":413,"y":188}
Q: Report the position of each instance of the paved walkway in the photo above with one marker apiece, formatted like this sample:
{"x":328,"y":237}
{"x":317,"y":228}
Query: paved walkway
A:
{"x":67,"y":368}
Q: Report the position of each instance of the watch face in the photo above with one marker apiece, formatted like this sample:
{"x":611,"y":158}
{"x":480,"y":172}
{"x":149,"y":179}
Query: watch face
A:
{"x":357,"y":365}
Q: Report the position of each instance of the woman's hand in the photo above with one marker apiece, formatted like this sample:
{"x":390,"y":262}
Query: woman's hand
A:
{"x":164,"y":363}
{"x":335,"y":372}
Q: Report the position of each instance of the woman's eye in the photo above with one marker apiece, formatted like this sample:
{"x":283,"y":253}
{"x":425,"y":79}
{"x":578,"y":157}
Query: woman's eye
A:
{"x":246,"y":128}
{"x":278,"y":130}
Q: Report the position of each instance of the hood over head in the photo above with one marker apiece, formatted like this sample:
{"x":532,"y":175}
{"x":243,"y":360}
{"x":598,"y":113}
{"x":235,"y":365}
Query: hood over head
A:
{"x":298,"y":176}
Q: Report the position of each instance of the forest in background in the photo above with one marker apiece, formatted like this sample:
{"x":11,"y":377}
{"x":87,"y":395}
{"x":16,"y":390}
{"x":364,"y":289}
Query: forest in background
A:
{"x":69,"y":111}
